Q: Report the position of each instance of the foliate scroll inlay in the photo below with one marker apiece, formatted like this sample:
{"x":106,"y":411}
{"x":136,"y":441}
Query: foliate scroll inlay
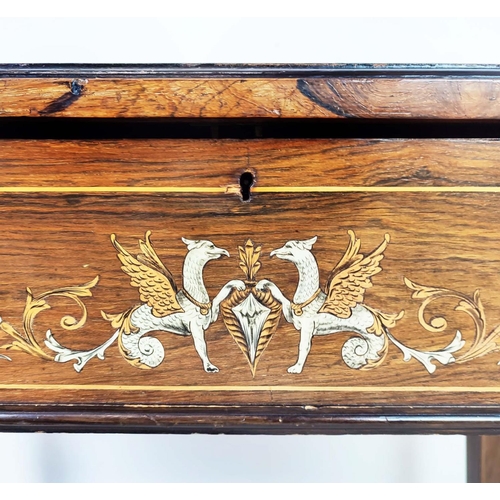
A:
{"x":35,"y":304}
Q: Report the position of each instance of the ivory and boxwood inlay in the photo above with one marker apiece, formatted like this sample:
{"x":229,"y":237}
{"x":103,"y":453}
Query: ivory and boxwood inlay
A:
{"x":251,"y":310}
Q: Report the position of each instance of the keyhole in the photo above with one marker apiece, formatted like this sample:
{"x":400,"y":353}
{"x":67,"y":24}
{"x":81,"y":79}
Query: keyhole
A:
{"x":247,"y":180}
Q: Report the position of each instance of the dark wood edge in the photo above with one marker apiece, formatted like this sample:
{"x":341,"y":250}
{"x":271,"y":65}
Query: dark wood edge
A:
{"x":242,"y":420}
{"x":474,"y":459}
{"x":246,"y":70}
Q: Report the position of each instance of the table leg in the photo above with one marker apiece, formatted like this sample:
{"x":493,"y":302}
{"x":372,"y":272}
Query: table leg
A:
{"x":483,"y":459}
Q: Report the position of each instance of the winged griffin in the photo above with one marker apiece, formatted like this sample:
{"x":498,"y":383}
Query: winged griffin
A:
{"x":340,"y":307}
{"x":165,"y":307}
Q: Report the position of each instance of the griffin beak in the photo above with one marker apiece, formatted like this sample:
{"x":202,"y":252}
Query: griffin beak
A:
{"x":223,"y":252}
{"x":279,"y":252}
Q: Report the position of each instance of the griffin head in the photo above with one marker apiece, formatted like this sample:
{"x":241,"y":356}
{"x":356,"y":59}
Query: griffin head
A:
{"x":294,"y":250}
{"x":205,"y":250}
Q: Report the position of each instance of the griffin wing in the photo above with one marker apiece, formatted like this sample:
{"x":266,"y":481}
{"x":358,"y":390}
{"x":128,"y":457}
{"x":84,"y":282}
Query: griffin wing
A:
{"x":351,"y":277}
{"x":156,"y":284}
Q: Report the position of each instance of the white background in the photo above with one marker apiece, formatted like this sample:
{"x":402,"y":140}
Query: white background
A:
{"x":250,"y":40}
{"x":39,"y":457}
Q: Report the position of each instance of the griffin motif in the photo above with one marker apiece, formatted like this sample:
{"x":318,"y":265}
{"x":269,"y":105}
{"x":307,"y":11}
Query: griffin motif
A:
{"x":340,"y":307}
{"x":251,"y":311}
{"x":165,"y":307}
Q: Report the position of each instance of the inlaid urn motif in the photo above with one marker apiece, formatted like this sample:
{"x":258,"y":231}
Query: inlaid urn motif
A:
{"x":250,"y":315}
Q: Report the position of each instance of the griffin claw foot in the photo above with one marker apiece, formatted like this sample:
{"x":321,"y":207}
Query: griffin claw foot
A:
{"x":263,"y":285}
{"x":295,"y":369}
{"x":238,"y":284}
{"x":211,"y":369}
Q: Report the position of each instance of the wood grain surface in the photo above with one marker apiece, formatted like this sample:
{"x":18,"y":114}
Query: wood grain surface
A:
{"x":443,"y":98}
{"x":277,"y":164}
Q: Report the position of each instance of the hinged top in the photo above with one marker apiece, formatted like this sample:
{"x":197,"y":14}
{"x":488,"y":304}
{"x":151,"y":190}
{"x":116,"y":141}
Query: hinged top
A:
{"x":366,"y":91}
